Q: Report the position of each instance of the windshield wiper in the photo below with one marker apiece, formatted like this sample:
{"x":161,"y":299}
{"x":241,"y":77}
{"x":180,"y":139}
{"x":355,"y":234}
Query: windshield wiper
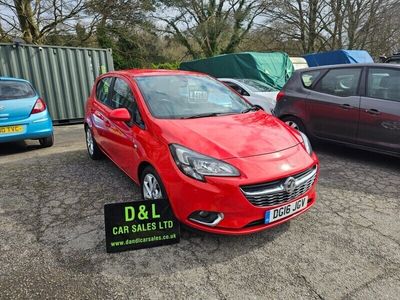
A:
{"x":252,"y":108}
{"x":206,"y":115}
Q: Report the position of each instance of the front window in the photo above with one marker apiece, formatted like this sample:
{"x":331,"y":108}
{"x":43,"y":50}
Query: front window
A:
{"x":257,"y":86}
{"x":15,"y":90}
{"x":122,"y":97}
{"x":188,"y":96}
{"x":340,"y":82}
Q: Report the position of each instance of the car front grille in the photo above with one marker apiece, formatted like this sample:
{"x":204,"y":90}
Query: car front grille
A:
{"x":274,"y":193}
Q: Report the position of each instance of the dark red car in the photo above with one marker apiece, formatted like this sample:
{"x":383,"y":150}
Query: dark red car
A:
{"x":225,"y":166}
{"x":354,"y":104}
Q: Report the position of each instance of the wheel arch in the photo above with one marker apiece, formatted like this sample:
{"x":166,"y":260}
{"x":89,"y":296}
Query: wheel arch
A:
{"x":289,"y":116}
{"x":141,"y":168}
{"x":300,"y":122}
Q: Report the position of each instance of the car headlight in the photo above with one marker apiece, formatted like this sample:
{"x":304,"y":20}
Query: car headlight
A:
{"x":306,"y":143}
{"x":197,"y":166}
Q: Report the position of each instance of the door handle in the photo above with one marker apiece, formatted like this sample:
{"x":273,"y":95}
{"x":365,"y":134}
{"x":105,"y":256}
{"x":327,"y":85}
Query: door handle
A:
{"x":373,"y":111}
{"x":345,"y":106}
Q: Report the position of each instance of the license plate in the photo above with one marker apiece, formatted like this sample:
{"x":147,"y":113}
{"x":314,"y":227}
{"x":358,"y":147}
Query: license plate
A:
{"x":11,"y":129}
{"x":285,"y":210}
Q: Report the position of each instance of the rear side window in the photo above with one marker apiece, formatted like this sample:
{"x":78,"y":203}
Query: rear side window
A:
{"x":384,"y":84}
{"x":15,"y":90}
{"x":340,"y":82}
{"x":102,"y":89}
{"x":308,"y":78}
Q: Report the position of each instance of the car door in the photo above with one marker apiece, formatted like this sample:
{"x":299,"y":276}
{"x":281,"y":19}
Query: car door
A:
{"x":333,"y":105}
{"x":124,"y":135}
{"x":100,"y":109}
{"x":379,"y":125}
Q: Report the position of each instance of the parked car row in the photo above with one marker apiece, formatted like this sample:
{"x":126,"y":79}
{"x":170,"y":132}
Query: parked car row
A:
{"x":215,"y":149}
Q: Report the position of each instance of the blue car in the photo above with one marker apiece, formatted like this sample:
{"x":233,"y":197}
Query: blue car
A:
{"x":23,"y":114}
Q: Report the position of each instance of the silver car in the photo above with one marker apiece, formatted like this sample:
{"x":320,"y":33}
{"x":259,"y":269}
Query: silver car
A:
{"x":255,"y":91}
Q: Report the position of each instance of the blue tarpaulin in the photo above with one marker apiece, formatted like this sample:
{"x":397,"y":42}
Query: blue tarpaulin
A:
{"x":338,"y":57}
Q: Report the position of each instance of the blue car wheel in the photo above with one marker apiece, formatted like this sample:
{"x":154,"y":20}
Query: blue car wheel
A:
{"x":47,"y":141}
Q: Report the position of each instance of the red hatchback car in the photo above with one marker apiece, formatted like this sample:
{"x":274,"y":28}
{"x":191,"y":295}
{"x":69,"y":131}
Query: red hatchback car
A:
{"x":224,"y":165}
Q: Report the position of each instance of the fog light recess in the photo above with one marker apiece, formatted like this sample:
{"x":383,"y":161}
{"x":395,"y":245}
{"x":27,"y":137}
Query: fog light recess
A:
{"x":208,"y":218}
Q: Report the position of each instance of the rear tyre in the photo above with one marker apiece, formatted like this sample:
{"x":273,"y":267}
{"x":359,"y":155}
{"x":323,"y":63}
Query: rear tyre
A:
{"x":151,"y":185}
{"x":295,"y":123}
{"x":47,"y":141}
{"x":91,"y":145}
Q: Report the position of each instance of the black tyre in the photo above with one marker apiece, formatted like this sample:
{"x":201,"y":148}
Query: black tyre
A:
{"x":151,"y":185}
{"x":92,"y":148}
{"x":47,"y":141}
{"x":295,"y":123}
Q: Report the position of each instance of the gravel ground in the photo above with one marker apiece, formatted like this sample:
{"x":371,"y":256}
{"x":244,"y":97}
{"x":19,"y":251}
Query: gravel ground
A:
{"x":52,"y":235}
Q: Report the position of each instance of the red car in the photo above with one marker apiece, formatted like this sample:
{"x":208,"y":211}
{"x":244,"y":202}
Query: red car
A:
{"x":224,"y":165}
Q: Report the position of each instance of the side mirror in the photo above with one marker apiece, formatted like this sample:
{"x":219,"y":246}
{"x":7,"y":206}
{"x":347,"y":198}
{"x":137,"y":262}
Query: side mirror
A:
{"x":120,"y":114}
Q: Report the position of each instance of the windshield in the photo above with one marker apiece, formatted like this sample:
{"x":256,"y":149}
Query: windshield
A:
{"x":188,"y":96}
{"x":15,"y":90}
{"x":257,"y":86}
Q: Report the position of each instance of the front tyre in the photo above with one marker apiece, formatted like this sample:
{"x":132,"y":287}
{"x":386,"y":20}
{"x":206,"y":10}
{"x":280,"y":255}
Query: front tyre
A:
{"x":91,"y":145}
{"x":47,"y":141}
{"x":151,"y":185}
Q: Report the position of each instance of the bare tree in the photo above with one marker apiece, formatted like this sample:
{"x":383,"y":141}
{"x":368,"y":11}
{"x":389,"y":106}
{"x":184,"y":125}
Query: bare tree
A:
{"x":304,"y":18}
{"x":380,"y":33}
{"x":207,"y":28}
{"x":335,"y":24}
{"x":34,"y":20}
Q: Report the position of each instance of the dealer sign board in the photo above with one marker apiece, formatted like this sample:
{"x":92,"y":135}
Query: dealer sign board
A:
{"x":139,"y":224}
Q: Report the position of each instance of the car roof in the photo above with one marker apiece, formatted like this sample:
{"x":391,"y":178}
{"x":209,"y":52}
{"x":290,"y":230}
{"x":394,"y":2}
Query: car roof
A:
{"x":394,"y":57}
{"x":236,"y":81}
{"x":341,"y":66}
{"x":13,"y":79}
{"x":153,"y":72}
{"x":230,"y":79}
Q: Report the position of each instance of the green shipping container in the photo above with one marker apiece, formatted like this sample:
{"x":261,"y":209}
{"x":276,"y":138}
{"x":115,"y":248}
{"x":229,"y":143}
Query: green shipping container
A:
{"x":63,"y":76}
{"x":273,"y":68}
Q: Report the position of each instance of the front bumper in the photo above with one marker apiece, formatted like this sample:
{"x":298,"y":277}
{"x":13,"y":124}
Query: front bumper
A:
{"x":36,"y":126}
{"x":223,"y":195}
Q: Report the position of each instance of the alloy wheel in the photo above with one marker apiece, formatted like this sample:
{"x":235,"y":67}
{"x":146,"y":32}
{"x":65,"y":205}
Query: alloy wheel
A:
{"x":89,"y":141}
{"x":151,"y":188}
{"x":293,"y":124}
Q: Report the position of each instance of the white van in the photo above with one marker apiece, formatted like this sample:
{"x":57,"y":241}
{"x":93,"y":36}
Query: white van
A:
{"x":298,"y":62}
